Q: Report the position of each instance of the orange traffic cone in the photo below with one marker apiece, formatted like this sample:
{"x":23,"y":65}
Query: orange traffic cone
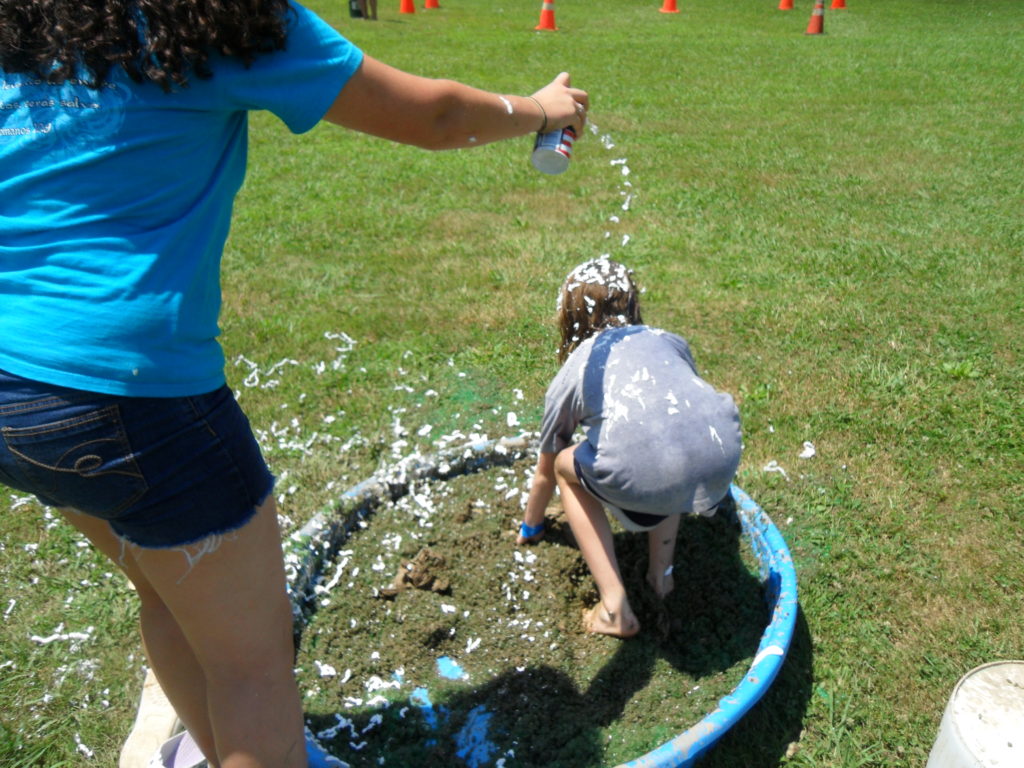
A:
{"x":407,"y":6}
{"x":838,"y":5}
{"x":669,"y":6}
{"x":817,"y":25}
{"x":786,"y":5}
{"x":431,"y":4}
{"x":547,"y":16}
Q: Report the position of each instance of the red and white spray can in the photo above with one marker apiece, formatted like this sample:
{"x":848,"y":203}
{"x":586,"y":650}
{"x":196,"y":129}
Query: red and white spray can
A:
{"x":552,"y":151}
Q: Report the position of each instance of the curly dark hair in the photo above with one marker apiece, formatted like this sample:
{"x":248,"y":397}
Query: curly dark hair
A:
{"x":162,"y":41}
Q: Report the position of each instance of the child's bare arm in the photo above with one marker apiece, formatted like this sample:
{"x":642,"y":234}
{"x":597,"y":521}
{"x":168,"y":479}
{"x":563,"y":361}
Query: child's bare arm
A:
{"x":540,"y":494}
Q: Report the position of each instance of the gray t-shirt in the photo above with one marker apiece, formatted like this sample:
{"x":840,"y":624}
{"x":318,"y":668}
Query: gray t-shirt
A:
{"x":658,"y":438}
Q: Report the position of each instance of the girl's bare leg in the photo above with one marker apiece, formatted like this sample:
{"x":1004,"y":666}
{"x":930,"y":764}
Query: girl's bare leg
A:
{"x":613,"y":615}
{"x":167,"y":651}
{"x":231,"y":605}
{"x":227,"y":597}
{"x":661,"y":547}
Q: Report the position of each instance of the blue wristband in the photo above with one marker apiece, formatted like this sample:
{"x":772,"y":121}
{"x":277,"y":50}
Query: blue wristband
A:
{"x":529,"y":531}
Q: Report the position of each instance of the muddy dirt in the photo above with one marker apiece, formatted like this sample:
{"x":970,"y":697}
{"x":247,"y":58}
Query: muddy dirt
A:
{"x":437,"y":641}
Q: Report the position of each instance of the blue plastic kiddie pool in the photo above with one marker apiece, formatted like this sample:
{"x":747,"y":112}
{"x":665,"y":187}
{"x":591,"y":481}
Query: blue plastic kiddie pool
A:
{"x":310,"y":550}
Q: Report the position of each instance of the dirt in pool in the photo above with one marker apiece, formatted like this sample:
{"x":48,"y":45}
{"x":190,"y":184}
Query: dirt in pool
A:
{"x":436,"y":641}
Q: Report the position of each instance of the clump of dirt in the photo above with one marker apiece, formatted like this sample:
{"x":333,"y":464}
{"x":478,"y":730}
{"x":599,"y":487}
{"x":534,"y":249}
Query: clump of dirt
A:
{"x":445,"y":644}
{"x":420,"y":573}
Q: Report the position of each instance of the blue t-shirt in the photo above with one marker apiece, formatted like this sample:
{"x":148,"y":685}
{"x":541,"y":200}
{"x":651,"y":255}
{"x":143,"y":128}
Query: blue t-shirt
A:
{"x":115,"y":205}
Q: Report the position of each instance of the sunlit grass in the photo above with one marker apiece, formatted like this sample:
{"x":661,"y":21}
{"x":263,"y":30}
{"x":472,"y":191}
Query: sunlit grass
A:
{"x":833,"y":221}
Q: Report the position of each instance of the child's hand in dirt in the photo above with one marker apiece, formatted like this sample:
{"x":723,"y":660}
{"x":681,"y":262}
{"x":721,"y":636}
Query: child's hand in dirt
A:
{"x":530,"y":534}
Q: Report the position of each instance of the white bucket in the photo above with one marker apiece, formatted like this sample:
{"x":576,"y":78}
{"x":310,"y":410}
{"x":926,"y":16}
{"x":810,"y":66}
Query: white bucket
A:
{"x":983,"y":725}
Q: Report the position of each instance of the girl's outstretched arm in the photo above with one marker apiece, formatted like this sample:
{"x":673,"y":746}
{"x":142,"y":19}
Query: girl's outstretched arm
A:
{"x":540,"y":496}
{"x":445,"y":114}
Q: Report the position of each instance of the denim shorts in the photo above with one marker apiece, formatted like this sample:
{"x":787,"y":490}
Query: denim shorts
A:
{"x":164,"y":472}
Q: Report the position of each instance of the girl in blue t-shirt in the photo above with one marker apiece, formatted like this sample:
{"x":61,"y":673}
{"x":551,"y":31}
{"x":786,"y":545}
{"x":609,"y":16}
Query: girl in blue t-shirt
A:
{"x":122,"y":145}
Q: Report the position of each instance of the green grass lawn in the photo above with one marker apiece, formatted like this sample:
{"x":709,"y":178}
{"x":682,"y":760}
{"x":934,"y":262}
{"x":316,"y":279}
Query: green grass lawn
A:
{"x":833,"y":221}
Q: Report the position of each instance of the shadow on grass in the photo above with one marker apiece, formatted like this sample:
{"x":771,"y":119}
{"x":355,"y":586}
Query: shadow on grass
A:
{"x":707,"y":630}
{"x":761,"y":738}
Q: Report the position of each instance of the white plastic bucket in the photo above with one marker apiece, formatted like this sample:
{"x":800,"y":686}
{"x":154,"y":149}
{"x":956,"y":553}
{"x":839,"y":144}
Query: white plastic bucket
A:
{"x":983,"y":725}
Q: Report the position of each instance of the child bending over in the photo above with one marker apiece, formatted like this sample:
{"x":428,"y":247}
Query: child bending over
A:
{"x":659,"y":441}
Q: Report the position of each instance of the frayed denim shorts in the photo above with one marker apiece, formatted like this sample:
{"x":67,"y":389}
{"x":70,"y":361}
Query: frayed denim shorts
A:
{"x":165,"y":472}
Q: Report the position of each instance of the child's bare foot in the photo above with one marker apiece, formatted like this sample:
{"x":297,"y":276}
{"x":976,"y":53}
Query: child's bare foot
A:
{"x":662,"y":583}
{"x":602,"y":622}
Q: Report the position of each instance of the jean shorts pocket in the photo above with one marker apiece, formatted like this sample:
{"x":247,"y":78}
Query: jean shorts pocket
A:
{"x":84,"y":462}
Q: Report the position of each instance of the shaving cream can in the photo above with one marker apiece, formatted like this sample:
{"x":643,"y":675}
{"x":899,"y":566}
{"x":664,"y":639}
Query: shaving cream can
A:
{"x":552,"y":151}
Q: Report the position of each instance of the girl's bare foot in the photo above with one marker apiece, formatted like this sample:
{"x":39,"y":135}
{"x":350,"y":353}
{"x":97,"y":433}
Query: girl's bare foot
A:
{"x":662,"y":583}
{"x":602,"y":622}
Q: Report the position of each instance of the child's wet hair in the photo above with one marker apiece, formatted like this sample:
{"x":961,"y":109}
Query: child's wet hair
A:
{"x":597,"y":294}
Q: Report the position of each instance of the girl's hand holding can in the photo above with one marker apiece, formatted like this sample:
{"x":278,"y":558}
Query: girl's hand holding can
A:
{"x":560,"y":127}
{"x":561,"y":106}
